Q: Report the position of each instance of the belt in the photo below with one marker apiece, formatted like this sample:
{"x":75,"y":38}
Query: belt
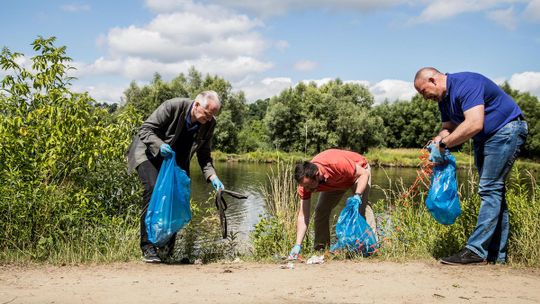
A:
{"x":520,"y":117}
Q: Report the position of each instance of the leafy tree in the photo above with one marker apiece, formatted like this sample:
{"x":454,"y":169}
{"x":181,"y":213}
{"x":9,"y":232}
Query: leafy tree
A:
{"x":282,"y":119}
{"x":56,"y":147}
{"x":253,"y":135}
{"x":257,"y":110}
{"x":311,"y":119}
{"x":409,"y":124}
{"x":233,"y":105}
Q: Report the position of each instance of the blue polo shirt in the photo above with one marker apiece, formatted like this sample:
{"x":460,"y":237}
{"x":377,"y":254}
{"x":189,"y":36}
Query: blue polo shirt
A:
{"x":466,"y":90}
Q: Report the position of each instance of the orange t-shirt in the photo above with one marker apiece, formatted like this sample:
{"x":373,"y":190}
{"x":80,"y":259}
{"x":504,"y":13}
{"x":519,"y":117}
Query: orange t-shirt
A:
{"x":338,"y":169}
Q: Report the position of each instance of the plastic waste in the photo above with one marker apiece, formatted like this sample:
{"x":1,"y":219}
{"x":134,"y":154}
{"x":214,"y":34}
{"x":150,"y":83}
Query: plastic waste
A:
{"x":443,"y":200}
{"x":168,"y":210}
{"x":290,"y":265}
{"x":315,"y":259}
{"x":353,"y":232}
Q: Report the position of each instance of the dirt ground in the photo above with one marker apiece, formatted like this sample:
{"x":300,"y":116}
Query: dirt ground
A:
{"x":332,"y":282}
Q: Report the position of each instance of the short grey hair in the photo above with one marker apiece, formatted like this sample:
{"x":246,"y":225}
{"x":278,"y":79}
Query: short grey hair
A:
{"x":205,"y":96}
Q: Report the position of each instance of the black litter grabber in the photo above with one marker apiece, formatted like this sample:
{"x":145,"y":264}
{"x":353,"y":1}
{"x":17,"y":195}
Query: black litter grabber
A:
{"x":221,"y":206}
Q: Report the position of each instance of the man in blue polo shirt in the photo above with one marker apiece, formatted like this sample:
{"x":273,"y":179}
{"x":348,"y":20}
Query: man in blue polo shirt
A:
{"x":472,"y":106}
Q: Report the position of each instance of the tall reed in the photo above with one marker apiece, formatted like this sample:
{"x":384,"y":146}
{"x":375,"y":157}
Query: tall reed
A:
{"x":410,"y":232}
{"x":276,"y":232}
{"x":406,"y":228}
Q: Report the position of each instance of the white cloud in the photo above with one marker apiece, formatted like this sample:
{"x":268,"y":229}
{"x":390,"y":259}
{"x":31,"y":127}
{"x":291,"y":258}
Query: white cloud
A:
{"x":318,"y":82}
{"x":499,"y":80}
{"x":143,"y":69}
{"x":532,"y":11}
{"x":211,"y":38}
{"x":392,"y":90}
{"x":187,"y":35}
{"x":271,"y":7}
{"x":504,"y":17}
{"x":432,"y":10}
{"x":264,"y":88}
{"x":388,"y":89}
{"x":75,"y":7}
{"x":360,"y":82}
{"x":281,"y":45}
{"x":526,"y":82}
{"x":168,"y":5}
{"x":305,"y":65}
{"x":103,"y":92}
{"x":23,"y":62}
{"x":443,"y":9}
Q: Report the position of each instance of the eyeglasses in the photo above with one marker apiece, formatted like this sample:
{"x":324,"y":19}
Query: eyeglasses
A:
{"x":207,"y":114}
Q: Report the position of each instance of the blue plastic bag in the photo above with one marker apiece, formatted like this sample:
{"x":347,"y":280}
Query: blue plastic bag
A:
{"x":168,"y":210}
{"x":353,"y":232}
{"x":442,"y":200}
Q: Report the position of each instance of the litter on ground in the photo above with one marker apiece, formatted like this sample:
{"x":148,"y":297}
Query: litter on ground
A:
{"x":316,"y":259}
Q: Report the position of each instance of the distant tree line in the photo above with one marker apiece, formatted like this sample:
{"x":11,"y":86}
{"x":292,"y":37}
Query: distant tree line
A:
{"x":310,"y":118}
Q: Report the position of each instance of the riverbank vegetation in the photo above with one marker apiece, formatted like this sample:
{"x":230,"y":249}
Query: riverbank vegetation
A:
{"x":65,"y":194}
{"x":384,"y":157}
{"x":406,"y":229}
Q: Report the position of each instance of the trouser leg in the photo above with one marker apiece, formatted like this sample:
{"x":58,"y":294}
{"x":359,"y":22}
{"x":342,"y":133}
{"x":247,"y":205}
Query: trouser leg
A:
{"x":494,"y":159}
{"x":326,"y":203}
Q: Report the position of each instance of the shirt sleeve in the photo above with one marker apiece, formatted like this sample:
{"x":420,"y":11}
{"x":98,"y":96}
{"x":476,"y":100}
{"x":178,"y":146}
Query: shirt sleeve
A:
{"x":303,"y":193}
{"x":472,"y":95}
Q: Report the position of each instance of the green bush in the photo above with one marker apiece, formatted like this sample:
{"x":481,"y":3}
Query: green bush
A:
{"x":64,"y":190}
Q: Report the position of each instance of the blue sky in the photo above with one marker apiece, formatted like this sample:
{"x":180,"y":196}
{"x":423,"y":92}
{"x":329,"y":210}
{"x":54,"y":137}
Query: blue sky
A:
{"x":264,"y":46}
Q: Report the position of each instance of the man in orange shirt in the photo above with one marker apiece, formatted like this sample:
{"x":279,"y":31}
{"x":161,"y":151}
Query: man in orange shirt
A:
{"x":331,"y":172}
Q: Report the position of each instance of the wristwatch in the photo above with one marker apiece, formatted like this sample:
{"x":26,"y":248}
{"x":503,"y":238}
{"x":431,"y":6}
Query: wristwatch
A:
{"x":442,"y":144}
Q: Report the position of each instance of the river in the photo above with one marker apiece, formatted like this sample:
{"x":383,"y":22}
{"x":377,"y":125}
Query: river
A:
{"x":249,"y":178}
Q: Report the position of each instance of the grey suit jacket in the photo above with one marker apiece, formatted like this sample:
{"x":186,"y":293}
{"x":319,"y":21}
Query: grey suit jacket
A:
{"x":165,"y":126}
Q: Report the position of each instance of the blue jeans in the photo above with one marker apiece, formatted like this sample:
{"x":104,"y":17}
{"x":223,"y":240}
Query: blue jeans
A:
{"x":494,"y":159}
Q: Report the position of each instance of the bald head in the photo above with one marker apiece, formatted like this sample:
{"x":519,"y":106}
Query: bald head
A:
{"x":430,"y":83}
{"x":426,"y":73}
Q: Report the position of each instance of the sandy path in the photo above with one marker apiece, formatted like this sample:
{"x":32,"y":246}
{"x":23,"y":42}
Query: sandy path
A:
{"x":334,"y":282}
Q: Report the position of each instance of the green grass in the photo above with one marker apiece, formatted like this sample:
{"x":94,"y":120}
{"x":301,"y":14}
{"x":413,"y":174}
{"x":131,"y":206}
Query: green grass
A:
{"x":275,"y":233}
{"x":259,"y":157}
{"x":409,"y":158}
{"x":411,"y":232}
{"x":50,"y":226}
{"x":408,"y":231}
{"x":117,"y":240}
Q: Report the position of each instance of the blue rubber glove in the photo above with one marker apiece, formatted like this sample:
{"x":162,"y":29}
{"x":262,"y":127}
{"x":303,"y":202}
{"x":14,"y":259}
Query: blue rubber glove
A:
{"x":165,"y":150}
{"x":218,"y":185}
{"x":355,"y":199}
{"x":295,"y":251}
{"x":435,"y":155}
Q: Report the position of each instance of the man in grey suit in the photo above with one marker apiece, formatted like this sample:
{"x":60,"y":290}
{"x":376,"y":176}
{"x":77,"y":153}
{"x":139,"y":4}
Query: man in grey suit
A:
{"x":181,"y":125}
